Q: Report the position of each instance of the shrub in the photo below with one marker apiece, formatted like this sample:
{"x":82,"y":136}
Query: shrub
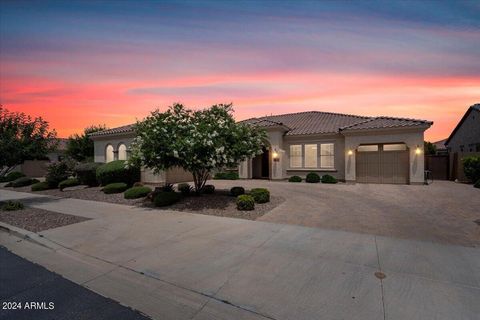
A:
{"x":471,"y":168}
{"x":168,"y":187}
{"x":295,"y":179}
{"x":185,"y":188}
{"x":209,"y":189}
{"x":230,"y":175}
{"x":87,"y":173}
{"x":116,"y":171}
{"x":116,"y":187}
{"x":245,"y":202}
{"x":22,"y":182}
{"x":236,"y":191}
{"x":14,"y":175}
{"x":12,"y":206}
{"x":138,"y":184}
{"x":312,"y":177}
{"x":328,"y":179}
{"x":163,"y":199}
{"x":72,"y":182}
{"x":477,"y":184}
{"x":57,"y":172}
{"x":137,"y":192}
{"x":260,"y":195}
{"x":40,"y":186}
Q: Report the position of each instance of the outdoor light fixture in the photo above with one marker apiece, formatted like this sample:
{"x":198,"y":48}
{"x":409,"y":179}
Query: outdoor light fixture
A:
{"x":418,"y":150}
{"x":350,"y":152}
{"x":275,"y":156}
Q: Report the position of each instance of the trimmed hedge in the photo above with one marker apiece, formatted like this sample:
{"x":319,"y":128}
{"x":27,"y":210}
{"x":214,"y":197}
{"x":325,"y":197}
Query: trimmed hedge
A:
{"x":312,"y":177}
{"x":12,"y":206}
{"x":185,"y":188}
{"x":116,"y":187}
{"x":328,"y":179}
{"x":40,"y":186}
{"x":260,"y":195}
{"x":163,"y":199}
{"x":87,"y":173}
{"x":245,"y":202}
{"x":477,"y":184}
{"x":56,"y":173}
{"x":236,"y":191}
{"x":22,"y":182}
{"x":14,"y":175}
{"x":137,"y":192}
{"x":72,"y":182}
{"x":115,"y":171}
{"x":209,"y":189}
{"x":231,"y":175}
{"x":295,"y":179}
{"x":471,"y":168}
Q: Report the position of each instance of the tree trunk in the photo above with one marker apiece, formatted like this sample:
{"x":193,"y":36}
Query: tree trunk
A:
{"x":199,"y":179}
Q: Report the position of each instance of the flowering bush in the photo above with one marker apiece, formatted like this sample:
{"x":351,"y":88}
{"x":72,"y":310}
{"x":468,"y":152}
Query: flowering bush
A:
{"x":197,"y":141}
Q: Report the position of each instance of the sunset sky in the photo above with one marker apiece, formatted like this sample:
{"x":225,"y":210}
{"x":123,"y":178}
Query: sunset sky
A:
{"x":78,"y":63}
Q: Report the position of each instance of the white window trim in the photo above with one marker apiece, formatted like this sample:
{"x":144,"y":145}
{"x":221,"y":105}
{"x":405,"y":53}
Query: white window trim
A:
{"x":319,"y":157}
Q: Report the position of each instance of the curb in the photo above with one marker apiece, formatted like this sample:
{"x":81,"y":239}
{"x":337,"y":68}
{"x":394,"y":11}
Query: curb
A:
{"x":26,"y":235}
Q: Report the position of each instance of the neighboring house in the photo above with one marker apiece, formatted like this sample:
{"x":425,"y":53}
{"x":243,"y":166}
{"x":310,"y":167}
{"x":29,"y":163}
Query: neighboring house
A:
{"x":466,"y":135}
{"x":351,"y":148}
{"x":440,"y":147}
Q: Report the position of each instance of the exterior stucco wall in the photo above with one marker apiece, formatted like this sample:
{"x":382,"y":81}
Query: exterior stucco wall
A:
{"x":467,"y":135}
{"x":101,"y":143}
{"x":412,"y":139}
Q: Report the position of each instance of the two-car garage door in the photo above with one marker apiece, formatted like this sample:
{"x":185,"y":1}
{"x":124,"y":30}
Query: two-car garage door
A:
{"x":382,"y":163}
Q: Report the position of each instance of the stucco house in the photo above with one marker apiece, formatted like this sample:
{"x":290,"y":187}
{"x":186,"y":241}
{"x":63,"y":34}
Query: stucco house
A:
{"x":466,"y":135}
{"x":351,"y":148}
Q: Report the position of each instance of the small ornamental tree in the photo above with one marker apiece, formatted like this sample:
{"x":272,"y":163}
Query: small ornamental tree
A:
{"x":23,"y":138}
{"x":197,"y":141}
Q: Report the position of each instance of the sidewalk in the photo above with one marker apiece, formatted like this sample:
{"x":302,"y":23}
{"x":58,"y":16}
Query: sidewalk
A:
{"x":172,"y":265}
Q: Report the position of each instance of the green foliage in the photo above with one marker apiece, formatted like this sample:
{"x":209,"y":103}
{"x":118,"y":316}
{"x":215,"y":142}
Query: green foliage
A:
{"x":80,"y":147}
{"x":168,"y":187}
{"x":117,"y":171}
{"x":12,"y":205}
{"x":328,"y":179}
{"x":185,"y":188}
{"x":245,"y":202}
{"x":137,"y":192}
{"x":197,"y":141}
{"x":11,"y":176}
{"x":312,"y":177}
{"x":209,"y":189}
{"x":138,"y":184}
{"x":115,"y":187}
{"x":87,"y":173}
{"x":429,"y":148}
{"x":23,"y":138}
{"x":57,"y":172}
{"x":295,"y":179}
{"x":229,"y":175}
{"x":260,"y":195}
{"x":40,"y":186}
{"x":477,"y":184}
{"x":471,"y":167}
{"x":72,"y":182}
{"x":22,"y":182}
{"x":163,"y":199}
{"x":236,"y":191}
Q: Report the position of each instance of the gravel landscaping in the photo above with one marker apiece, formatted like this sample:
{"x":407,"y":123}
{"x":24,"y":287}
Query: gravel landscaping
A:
{"x":36,"y":220}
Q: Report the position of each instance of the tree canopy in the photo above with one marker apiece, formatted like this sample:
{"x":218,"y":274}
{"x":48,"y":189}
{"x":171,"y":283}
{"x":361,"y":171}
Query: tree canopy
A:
{"x":23,"y":138}
{"x":197,"y":141}
{"x":81,"y":147}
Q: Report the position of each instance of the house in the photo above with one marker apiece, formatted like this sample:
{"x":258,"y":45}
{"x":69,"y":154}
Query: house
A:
{"x":466,"y":135}
{"x":440,"y":147}
{"x":351,"y":148}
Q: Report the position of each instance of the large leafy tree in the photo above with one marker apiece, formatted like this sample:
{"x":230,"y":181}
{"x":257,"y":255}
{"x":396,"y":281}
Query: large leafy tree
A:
{"x":23,"y":138}
{"x":197,"y":141}
{"x":80,"y":147}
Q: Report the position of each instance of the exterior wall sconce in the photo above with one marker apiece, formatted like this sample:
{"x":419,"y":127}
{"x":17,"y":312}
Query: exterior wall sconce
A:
{"x":275,"y":156}
{"x":350,"y":152}
{"x":418,"y":150}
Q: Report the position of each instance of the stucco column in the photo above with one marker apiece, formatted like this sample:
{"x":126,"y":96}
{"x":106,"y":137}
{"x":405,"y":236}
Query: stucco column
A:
{"x":244,"y":171}
{"x":277,"y":163}
{"x":417,"y":163}
{"x":350,"y":173}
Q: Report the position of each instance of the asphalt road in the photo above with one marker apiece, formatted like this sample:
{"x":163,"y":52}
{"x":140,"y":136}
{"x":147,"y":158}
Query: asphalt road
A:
{"x":42,"y":294}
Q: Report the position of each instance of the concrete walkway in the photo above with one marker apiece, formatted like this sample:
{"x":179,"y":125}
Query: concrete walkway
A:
{"x":172,"y":265}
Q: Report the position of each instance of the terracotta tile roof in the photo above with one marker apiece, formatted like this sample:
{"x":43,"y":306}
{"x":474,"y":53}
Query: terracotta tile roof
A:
{"x":122,"y":129}
{"x":386,"y":122}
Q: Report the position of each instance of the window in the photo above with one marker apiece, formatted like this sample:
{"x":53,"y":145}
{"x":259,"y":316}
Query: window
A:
{"x":394,"y":147}
{"x":109,"y":153}
{"x":369,"y":148}
{"x":310,"y":156}
{"x":296,"y":156}
{"x":122,"y":152}
{"x":327,"y":155}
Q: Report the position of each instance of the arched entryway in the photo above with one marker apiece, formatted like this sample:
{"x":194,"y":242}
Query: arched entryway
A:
{"x":261,"y":165}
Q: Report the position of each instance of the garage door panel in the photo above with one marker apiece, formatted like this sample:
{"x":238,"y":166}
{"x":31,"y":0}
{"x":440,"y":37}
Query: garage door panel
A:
{"x":382,"y":166}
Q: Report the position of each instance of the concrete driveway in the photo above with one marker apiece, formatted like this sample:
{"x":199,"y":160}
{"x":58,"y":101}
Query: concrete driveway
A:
{"x":442,"y":212}
{"x":173,"y":265}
